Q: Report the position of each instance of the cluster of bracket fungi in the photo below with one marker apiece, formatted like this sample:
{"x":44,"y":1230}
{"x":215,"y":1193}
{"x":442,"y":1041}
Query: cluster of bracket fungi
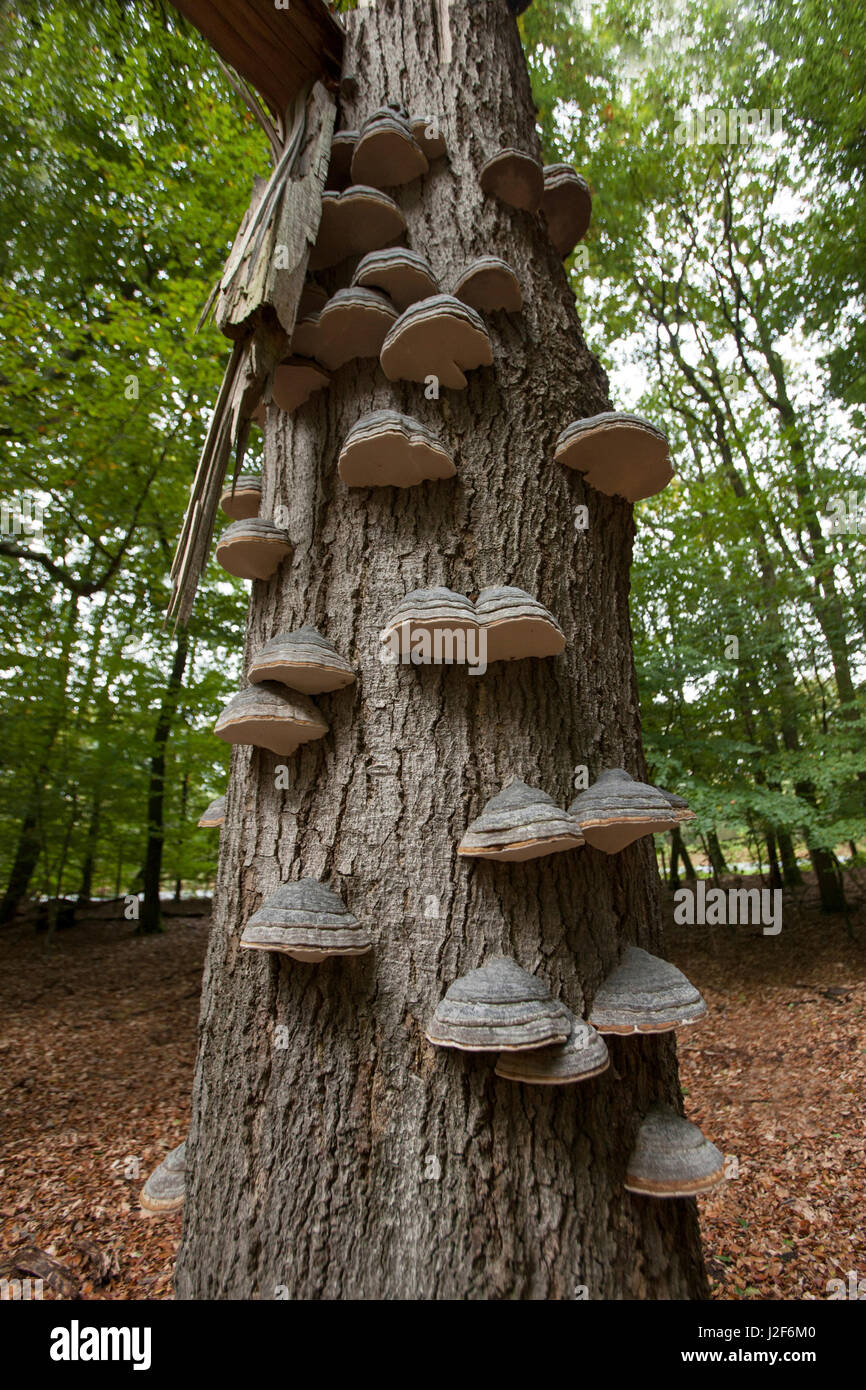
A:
{"x":396,"y":310}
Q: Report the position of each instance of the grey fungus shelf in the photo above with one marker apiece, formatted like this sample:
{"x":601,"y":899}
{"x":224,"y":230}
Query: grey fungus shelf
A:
{"x":252,"y":549}
{"x":268,"y":716}
{"x":671,"y":1158}
{"x":520,"y":823}
{"x":645,"y":994}
{"x":308,"y":921}
{"x":387,"y":449}
{"x":616,"y":810}
{"x":620,"y":455}
{"x":499,"y":1007}
{"x":437,"y":337}
{"x":304,"y":660}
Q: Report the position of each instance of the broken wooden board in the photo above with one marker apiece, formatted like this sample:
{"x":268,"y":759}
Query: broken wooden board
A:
{"x":268,"y":262}
{"x":279,"y":50}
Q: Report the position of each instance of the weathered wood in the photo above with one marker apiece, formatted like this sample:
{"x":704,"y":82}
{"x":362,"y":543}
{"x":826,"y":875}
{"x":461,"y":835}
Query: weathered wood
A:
{"x":334,"y":1153}
{"x":278,"y":50}
{"x":268,"y":261}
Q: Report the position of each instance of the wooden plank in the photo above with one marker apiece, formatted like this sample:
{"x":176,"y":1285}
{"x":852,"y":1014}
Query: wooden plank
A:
{"x":277,"y":51}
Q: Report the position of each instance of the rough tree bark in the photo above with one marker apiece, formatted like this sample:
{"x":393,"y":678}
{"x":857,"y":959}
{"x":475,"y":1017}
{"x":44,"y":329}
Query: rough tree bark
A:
{"x":343,"y":1156}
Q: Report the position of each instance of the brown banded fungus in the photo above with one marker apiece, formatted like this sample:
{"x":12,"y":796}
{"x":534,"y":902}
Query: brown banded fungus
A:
{"x":567,"y":207}
{"x":252,"y":549}
{"x":387,"y":153}
{"x":353,"y":324}
{"x":295,"y":380}
{"x":303,"y":660}
{"x":620,"y":455}
{"x":437,"y":337}
{"x":164,"y":1190}
{"x":386,"y":449}
{"x":498,"y":1008}
{"x":358,"y":220}
{"x":215,"y":815}
{"x":429,"y":136}
{"x":243,"y":499}
{"x":616,"y":810}
{"x":266,"y":716}
{"x":489,"y":283}
{"x":308,"y":921}
{"x":514,"y":178}
{"x":582,"y":1055}
{"x":644,"y":994}
{"x":516,"y":625}
{"x":428,"y":611}
{"x":520,"y":823}
{"x":672,"y":1158}
{"x":402,"y":274}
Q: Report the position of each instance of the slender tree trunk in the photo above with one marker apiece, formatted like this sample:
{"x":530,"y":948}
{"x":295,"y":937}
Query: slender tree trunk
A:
{"x":788,"y":855}
{"x":151,"y":919}
{"x":27,"y":853}
{"x":333,"y":1152}
{"x":773,"y":861}
{"x":716,"y":855}
{"x":86,"y":885}
{"x":830,"y":885}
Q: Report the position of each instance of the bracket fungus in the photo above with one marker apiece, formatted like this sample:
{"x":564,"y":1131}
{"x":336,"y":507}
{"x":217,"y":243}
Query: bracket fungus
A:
{"x":516,"y":625}
{"x":164,"y":1190}
{"x":266,"y":716}
{"x":352,"y":324}
{"x":429,"y":611}
{"x":616,"y":810}
{"x":402,"y":274}
{"x":498,"y":1008}
{"x":252,"y":549}
{"x":295,"y":380}
{"x":340,"y":168}
{"x":438,"y":337}
{"x":215,"y":815}
{"x":671,"y":1157}
{"x":386,"y":449}
{"x":243,"y":499}
{"x":514,"y":178}
{"x":303,"y":660}
{"x":358,"y":220}
{"x":520,"y":823}
{"x":645,"y":994}
{"x":387,"y":153}
{"x":308,"y":921}
{"x":489,"y":283}
{"x":582,"y":1055}
{"x":429,"y":136}
{"x":567,"y":207}
{"x":620,"y":455}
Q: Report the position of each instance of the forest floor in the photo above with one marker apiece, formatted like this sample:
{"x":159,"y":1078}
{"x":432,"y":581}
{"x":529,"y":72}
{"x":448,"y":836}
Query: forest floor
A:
{"x":98,"y":1045}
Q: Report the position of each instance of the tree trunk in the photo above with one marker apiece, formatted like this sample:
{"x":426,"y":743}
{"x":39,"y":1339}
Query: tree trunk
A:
{"x":27,"y":853}
{"x":151,"y":917}
{"x":773,"y":861}
{"x":345,"y":1157}
{"x":790,"y":868}
{"x":716,"y":856}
